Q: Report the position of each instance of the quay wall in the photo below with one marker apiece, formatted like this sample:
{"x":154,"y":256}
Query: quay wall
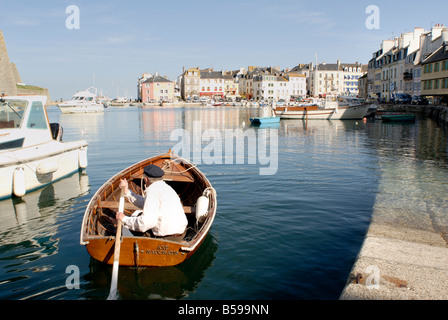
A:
{"x":404,"y":255}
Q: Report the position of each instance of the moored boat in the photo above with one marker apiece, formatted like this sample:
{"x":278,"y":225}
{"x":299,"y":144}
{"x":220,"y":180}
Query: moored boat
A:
{"x":264,"y":120}
{"x":343,"y":108}
{"x":398,"y":116}
{"x":32,"y":153}
{"x":267,"y":117}
{"x":199,"y":202}
{"x":82,"y":102}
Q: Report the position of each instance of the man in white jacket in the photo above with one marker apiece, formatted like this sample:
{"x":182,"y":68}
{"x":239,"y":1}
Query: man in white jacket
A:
{"x":162,"y":216}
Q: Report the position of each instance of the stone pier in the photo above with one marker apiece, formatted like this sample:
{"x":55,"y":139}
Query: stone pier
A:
{"x":405,"y":252}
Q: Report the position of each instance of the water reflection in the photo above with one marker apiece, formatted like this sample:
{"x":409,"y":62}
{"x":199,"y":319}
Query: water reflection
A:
{"x":153,"y":283}
{"x":19,"y":212}
{"x":29,"y":227}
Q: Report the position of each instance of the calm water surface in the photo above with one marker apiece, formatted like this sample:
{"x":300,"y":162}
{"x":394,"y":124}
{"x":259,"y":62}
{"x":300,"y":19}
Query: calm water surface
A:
{"x":292,"y":235}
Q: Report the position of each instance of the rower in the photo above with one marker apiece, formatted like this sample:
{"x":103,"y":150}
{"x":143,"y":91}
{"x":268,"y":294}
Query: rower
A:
{"x":162,"y":214}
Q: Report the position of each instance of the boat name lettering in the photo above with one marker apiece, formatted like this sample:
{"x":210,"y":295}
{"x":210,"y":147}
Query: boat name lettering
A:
{"x":160,"y":250}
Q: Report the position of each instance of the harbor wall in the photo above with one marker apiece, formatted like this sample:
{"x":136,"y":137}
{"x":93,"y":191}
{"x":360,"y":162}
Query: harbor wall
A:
{"x":404,"y":255}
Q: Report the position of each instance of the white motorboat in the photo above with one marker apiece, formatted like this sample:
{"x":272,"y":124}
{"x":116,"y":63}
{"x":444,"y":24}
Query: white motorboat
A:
{"x":340,"y":108}
{"x":83,"y":102}
{"x":32,"y":153}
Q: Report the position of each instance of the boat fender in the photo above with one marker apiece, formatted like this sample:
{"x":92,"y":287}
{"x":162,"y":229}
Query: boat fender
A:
{"x":46,"y":167}
{"x":201,"y":208}
{"x":18,"y":183}
{"x":82,"y":158}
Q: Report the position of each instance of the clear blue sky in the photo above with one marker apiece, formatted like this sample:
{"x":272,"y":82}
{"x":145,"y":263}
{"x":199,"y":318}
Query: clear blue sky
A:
{"x":119,"y":40}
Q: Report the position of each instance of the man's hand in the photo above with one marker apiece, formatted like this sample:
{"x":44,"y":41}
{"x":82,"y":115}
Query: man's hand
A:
{"x":119,"y":215}
{"x":124,"y":184}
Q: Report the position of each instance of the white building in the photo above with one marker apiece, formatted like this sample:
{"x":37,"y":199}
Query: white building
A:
{"x":212,"y":84}
{"x":297,"y":84}
{"x":396,"y":66}
{"x":335,"y":78}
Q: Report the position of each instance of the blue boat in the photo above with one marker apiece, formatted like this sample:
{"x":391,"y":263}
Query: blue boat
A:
{"x":264,"y":120}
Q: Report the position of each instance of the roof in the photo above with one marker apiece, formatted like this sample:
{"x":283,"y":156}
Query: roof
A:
{"x":438,"y":55}
{"x":212,"y":75}
{"x":156,"y":79}
{"x":327,"y":67}
{"x":295,"y":74}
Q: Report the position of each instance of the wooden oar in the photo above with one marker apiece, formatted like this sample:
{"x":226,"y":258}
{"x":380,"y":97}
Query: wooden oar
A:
{"x":113,"y":293}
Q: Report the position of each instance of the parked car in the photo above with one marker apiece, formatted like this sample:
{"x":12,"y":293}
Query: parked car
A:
{"x":419,"y":100}
{"x":402,"y":98}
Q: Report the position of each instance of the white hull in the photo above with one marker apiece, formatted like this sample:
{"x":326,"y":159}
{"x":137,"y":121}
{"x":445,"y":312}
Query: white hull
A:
{"x":42,"y":164}
{"x":90,"y":108}
{"x":340,"y":113}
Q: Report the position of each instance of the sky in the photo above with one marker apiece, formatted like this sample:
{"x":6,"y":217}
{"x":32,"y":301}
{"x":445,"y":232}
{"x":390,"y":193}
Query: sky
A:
{"x":117,"y":41}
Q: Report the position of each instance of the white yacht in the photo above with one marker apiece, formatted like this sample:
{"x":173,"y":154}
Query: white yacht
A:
{"x":82,"y":102}
{"x":32,"y":153}
{"x":332,"y":108}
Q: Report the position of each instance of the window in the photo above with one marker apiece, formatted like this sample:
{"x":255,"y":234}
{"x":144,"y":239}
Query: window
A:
{"x":436,"y":83}
{"x":11,"y":113}
{"x":436,"y":67}
{"x":37,"y":118}
{"x":445,"y":83}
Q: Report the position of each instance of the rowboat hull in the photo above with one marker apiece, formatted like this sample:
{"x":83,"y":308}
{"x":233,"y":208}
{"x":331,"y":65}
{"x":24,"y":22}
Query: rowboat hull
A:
{"x":97,"y":231}
{"x":398,"y":117}
{"x":264,"y":120}
{"x":139,"y":251}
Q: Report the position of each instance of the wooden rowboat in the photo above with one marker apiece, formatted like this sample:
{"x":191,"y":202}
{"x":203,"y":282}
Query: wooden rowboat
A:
{"x":98,"y":230}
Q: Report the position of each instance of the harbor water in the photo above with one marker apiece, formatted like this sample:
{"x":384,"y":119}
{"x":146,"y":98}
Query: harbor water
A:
{"x":294,"y":203}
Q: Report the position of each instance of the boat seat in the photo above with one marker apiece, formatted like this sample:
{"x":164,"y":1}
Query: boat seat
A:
{"x":130,"y":206}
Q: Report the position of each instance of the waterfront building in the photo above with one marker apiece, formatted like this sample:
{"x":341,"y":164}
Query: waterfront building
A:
{"x":145,"y":76}
{"x":304,"y":69}
{"x":335,"y":78}
{"x":269,"y":86}
{"x":362,"y":87}
{"x":157,"y":88}
{"x":297,"y":84}
{"x":230,"y":86}
{"x":246,"y":83}
{"x":211,"y":84}
{"x":396,"y":66}
{"x":189,"y":83}
{"x":435,"y":74}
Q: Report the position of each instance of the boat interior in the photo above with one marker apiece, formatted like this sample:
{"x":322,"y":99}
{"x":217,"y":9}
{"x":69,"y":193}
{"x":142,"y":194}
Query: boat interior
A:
{"x":185,"y":182}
